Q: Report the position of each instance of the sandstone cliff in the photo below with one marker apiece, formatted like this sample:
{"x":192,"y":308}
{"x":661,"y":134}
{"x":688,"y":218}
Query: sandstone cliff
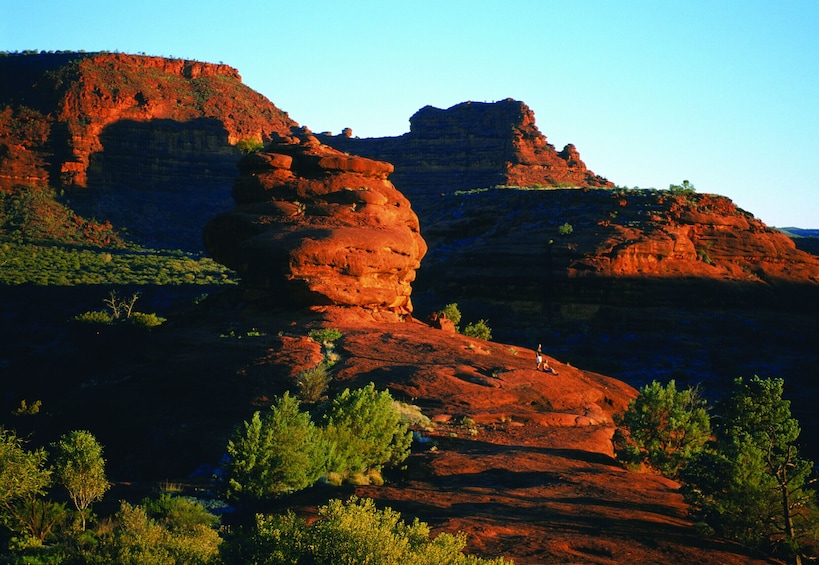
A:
{"x":315,"y":226}
{"x":145,"y":142}
{"x":470,"y":145}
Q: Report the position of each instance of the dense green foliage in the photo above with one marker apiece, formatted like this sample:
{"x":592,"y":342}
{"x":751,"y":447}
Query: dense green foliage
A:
{"x":67,"y":266}
{"x":312,"y":384}
{"x":249,"y":145}
{"x":751,"y":484}
{"x":352,"y":533}
{"x":33,"y":214}
{"x":80,"y":468}
{"x":479,"y":330}
{"x":274,"y":455}
{"x":663,"y":427}
{"x":452,"y":312}
{"x":284,"y":451}
{"x":365,"y":432}
{"x":24,"y":479}
{"x":325,"y":335}
{"x":684,"y":189}
{"x":166,"y":531}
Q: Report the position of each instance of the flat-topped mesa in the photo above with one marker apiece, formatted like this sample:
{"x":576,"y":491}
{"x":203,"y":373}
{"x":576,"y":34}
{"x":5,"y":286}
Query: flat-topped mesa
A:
{"x":79,"y":99}
{"x":472,"y":145}
{"x":315,"y":226}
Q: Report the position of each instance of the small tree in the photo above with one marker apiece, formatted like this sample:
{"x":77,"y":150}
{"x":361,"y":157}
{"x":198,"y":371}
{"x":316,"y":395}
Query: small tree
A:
{"x":312,"y":383}
{"x":23,"y":473}
{"x":684,"y":189}
{"x":479,"y":330}
{"x":365,"y":432}
{"x":752,"y":485}
{"x":24,"y":479}
{"x":453,"y":313}
{"x":273,"y":455}
{"x":663,"y":427}
{"x":80,"y":468}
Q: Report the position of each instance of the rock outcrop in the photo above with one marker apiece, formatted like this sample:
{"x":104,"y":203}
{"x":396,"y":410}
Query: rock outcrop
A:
{"x":148,"y":143}
{"x":314,"y":226}
{"x":472,"y":145}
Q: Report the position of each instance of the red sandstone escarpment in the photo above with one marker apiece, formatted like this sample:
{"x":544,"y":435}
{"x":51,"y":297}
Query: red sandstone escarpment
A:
{"x":146,"y":143}
{"x":657,"y":234}
{"x":471,"y":145}
{"x":315,"y":226}
{"x":77,"y":96}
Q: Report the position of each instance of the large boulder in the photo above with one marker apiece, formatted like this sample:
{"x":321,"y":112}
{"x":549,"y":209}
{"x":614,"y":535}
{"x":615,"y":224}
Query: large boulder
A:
{"x":314,"y":226}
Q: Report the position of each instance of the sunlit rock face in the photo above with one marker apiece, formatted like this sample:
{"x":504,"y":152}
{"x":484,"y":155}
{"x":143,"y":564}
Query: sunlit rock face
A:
{"x":315,"y":226}
{"x":472,"y":145}
{"x":147,"y":143}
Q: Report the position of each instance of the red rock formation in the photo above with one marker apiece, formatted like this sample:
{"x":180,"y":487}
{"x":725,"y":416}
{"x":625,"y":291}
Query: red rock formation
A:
{"x":145,"y":142}
{"x":657,"y":234}
{"x":79,"y":95}
{"x":318,"y":227}
{"x":472,"y":145}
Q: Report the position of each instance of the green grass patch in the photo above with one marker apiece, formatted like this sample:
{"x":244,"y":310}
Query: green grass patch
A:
{"x":66,"y":265}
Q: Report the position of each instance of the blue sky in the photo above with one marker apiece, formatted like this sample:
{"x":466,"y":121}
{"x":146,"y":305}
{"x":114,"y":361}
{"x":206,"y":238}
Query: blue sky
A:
{"x":724,"y":94}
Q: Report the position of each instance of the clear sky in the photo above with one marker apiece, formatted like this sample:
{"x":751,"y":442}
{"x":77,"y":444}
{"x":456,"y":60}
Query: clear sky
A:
{"x":724,"y":94}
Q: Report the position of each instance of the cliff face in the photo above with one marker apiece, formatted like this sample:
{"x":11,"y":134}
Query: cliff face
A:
{"x":637,"y":284}
{"x":317,"y":227}
{"x":164,"y":129}
{"x":472,"y":144}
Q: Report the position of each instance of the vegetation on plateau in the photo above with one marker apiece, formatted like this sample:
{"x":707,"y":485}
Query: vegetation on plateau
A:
{"x":43,"y":242}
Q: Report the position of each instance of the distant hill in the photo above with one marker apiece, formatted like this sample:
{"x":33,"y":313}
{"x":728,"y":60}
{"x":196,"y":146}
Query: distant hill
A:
{"x":805,"y":239}
{"x":147,"y":143}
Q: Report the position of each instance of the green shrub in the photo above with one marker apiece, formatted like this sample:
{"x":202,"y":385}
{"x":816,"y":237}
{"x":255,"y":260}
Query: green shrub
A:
{"x":662,"y":427}
{"x":565,"y":229}
{"x":684,"y":189}
{"x":365,"y":432}
{"x":94,"y":317}
{"x":352,"y":533}
{"x":171,"y":531}
{"x":478,"y":330}
{"x":66,"y":265}
{"x":274,"y":455}
{"x":144,"y":320}
{"x":452,"y":312}
{"x":249,"y":145}
{"x":325,"y":335}
{"x":312,"y":383}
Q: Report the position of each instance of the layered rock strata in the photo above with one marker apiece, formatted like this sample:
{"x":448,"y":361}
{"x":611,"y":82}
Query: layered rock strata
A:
{"x":314,"y":226}
{"x":472,"y":145}
{"x":148,"y":143}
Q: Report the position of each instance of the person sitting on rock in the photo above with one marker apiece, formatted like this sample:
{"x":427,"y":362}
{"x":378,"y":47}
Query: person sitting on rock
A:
{"x":546,"y":368}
